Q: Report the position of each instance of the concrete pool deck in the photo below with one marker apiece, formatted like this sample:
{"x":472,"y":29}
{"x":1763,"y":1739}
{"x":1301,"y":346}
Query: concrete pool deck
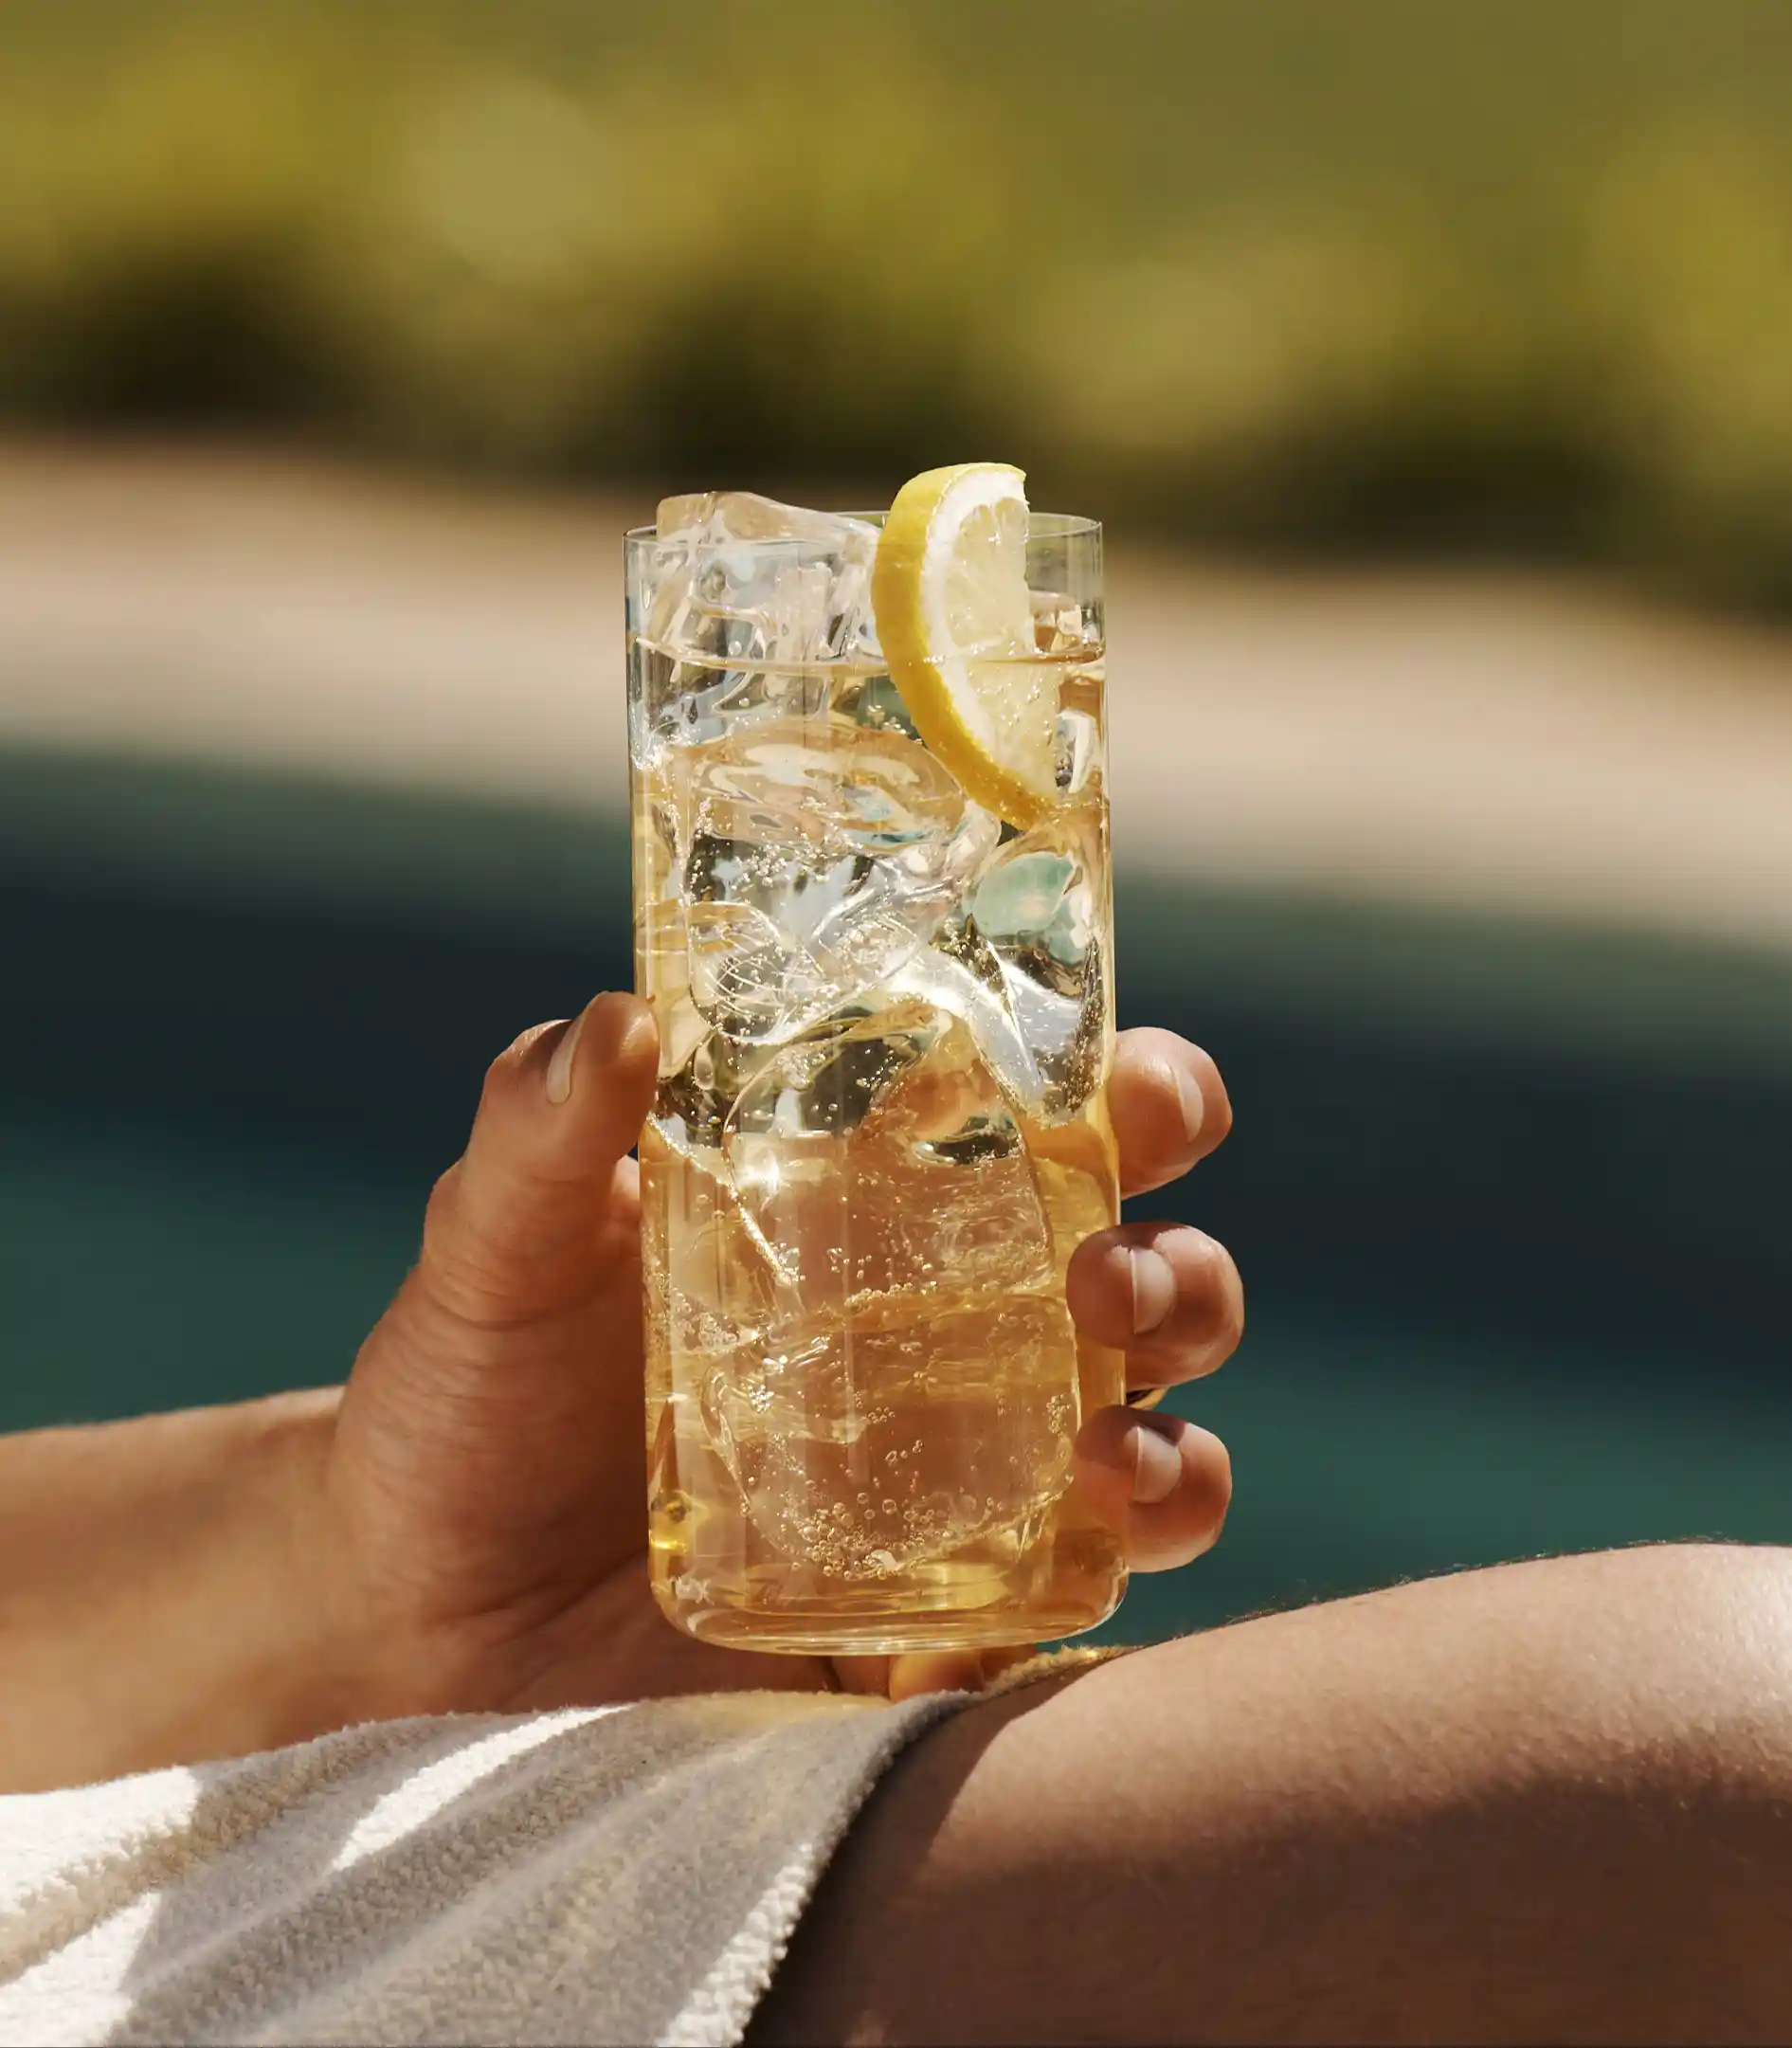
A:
{"x":1508,"y":744}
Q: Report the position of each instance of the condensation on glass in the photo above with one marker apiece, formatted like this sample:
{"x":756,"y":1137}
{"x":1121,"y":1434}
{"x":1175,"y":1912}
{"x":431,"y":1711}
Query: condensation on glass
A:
{"x":886,"y":1023}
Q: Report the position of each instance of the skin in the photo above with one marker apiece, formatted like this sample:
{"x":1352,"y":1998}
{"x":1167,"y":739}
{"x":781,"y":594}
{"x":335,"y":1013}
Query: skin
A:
{"x":463,"y":1527}
{"x":1550,"y":1802}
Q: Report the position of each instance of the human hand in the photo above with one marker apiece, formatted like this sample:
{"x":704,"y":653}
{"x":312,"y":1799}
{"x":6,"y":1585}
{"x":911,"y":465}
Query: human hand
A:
{"x":482,"y":1524}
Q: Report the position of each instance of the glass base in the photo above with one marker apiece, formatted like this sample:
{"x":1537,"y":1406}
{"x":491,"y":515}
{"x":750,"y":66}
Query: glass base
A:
{"x":877,"y":1625}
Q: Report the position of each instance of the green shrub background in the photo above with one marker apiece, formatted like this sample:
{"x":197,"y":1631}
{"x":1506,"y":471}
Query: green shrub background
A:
{"x":1511,"y":276}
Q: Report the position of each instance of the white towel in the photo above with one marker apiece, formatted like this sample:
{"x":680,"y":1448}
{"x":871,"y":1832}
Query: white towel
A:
{"x":622,"y":1874}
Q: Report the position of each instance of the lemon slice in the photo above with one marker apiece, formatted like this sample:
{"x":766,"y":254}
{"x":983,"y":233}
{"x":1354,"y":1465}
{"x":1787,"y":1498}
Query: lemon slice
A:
{"x":948,"y":592}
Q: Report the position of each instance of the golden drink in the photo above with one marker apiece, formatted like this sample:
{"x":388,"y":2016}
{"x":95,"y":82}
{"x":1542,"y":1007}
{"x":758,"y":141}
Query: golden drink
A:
{"x":885,"y":1018}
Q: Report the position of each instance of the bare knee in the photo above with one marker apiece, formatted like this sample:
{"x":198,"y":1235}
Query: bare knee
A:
{"x":1551,"y":1802}
{"x":1667,"y":1667}
{"x":1594,"y":1841}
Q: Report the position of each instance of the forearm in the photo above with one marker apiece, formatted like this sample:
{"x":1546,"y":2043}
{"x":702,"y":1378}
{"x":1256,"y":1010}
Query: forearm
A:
{"x":161,"y":1595}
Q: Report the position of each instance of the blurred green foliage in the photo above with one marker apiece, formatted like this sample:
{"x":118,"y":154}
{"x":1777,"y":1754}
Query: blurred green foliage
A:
{"x":1283,"y":274}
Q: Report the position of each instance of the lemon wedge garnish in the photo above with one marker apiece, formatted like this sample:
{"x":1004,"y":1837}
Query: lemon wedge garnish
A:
{"x":948,"y":592}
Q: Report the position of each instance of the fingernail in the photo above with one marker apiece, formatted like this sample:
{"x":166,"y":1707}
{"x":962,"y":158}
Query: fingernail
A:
{"x":560,"y":1066}
{"x":1194,"y":1108}
{"x":1157,"y":1464}
{"x":1153,"y":1288}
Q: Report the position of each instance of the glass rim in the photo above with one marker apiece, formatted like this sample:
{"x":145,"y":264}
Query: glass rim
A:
{"x":1040,"y":526}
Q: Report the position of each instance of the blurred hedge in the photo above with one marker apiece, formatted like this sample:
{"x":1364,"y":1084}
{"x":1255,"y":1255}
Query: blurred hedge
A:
{"x":1283,"y":274}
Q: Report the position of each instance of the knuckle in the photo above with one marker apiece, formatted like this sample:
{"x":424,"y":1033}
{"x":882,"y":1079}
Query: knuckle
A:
{"x":1106,"y":1434}
{"x":1097,"y":1288}
{"x":507,"y":1252}
{"x":471,"y":1285}
{"x":477,"y":1278}
{"x":441,"y":1212}
{"x":459,"y":1263}
{"x":503,"y":1075}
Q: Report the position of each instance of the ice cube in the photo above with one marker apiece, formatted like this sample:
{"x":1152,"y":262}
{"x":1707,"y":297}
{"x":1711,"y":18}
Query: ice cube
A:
{"x":710,"y":1287}
{"x":656,"y":847}
{"x":872,"y":1447}
{"x":1077,"y":1171}
{"x":1076,"y":750}
{"x":748,"y":580}
{"x":959,"y":972}
{"x":679,"y":701}
{"x":746,"y":606}
{"x":1042,"y":905}
{"x":1021,"y":965}
{"x":1058,"y":622}
{"x":873,"y":700}
{"x":693,"y":1102}
{"x":820,"y":855}
{"x":683,"y":1029}
{"x":877,"y":1158}
{"x":662,"y":961}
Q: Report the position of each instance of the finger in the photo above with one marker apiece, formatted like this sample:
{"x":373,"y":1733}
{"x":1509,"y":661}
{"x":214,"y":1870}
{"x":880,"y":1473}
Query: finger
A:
{"x":926,"y":1671}
{"x":1169,"y":1107}
{"x":869,"y":1676}
{"x":951,"y":1670}
{"x":514,"y":1229}
{"x":1162,"y":1483}
{"x":1167,"y":1294}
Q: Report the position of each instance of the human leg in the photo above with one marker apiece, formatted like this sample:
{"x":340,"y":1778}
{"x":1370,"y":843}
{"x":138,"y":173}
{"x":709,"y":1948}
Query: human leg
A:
{"x":1551,"y":1801}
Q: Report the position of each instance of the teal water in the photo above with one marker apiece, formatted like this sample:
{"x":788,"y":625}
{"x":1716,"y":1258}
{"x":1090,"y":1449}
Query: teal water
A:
{"x":1509,"y":1200}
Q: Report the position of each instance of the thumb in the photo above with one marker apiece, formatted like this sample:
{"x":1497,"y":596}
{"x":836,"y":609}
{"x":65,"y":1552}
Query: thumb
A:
{"x":491,"y":1434}
{"x":516,"y":1231}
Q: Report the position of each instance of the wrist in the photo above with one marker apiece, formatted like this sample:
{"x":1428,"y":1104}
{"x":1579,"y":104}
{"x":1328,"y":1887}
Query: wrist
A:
{"x":312,"y":1671}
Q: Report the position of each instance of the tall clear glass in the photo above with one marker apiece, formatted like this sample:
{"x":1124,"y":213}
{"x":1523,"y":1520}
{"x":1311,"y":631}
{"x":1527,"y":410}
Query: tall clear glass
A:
{"x":886,"y":1027}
